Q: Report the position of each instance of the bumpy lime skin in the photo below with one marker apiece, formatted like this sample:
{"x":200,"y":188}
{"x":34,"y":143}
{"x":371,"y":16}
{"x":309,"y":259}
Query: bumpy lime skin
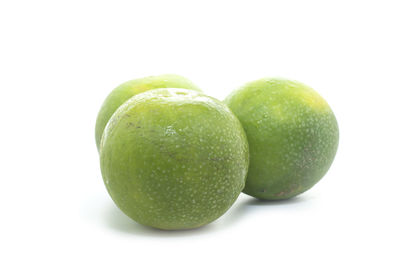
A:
{"x":128,"y":89}
{"x":174,"y":158}
{"x":292,"y":133}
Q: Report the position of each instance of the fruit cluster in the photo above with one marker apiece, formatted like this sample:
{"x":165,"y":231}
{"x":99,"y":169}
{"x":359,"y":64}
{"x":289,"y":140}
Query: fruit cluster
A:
{"x":172,"y":157}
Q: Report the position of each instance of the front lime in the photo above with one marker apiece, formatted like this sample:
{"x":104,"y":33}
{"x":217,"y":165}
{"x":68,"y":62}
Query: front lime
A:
{"x":174,"y":158}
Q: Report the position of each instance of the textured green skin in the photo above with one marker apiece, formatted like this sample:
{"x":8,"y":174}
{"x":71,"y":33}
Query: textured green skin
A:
{"x":292,"y":133}
{"x":128,"y":89}
{"x":174,"y":158}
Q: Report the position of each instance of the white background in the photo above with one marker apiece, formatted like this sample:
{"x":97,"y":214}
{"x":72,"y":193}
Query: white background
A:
{"x":60,"y":59}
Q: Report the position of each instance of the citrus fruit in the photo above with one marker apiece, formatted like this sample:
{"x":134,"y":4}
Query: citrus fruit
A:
{"x":174,"y":158}
{"x":128,"y":89}
{"x":292,"y":133}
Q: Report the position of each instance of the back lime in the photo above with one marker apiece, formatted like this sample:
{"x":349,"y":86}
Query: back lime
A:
{"x":292,"y":133}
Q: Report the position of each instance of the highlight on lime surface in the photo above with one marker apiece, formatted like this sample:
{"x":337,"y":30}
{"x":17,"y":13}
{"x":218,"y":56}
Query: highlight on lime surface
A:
{"x":292,"y":132}
{"x":174,"y":158}
{"x":128,"y":89}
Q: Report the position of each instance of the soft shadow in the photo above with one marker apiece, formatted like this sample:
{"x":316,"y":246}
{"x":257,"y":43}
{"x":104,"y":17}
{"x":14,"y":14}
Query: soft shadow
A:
{"x":249,"y":204}
{"x":290,"y":201}
{"x":118,"y":221}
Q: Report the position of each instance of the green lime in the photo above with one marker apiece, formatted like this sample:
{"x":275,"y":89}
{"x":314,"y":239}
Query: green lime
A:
{"x":174,"y":158}
{"x":128,"y":89}
{"x":292,"y":133}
